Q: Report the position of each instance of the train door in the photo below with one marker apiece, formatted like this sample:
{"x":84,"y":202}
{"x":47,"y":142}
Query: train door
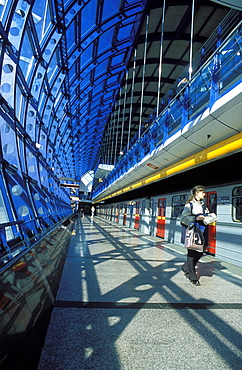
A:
{"x":111,"y":213}
{"x":161,"y":218}
{"x":130,"y":212}
{"x":125,"y":215}
{"x":144,"y":217}
{"x":152,"y":221}
{"x":137,"y":215}
{"x":141,"y":215}
{"x":211,"y":198}
{"x":120,"y":213}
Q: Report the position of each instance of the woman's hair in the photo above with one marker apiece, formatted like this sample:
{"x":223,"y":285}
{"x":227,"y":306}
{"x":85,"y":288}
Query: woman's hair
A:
{"x":195,"y":190}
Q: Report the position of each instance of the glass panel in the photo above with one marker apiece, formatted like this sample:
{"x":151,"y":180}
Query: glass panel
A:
{"x":97,"y":89}
{"x":19,"y":103}
{"x":3,"y":212}
{"x":70,"y":37}
{"x":42,"y":99}
{"x":26,"y":56}
{"x":117,"y":60}
{"x":101,"y":68}
{"x":84,"y":84}
{"x":105,"y":40}
{"x":237,"y":204}
{"x":53,"y":66}
{"x":112,"y":80}
{"x":213,"y":203}
{"x":86,"y":55}
{"x":42,"y":17}
{"x":2,"y":3}
{"x":109,"y":8}
{"x":88,"y":16}
{"x":5,"y":6}
{"x":178,"y":203}
{"x":125,"y":32}
{"x":21,"y":150}
{"x":4,"y":218}
{"x":72,"y":73}
{"x":237,"y":191}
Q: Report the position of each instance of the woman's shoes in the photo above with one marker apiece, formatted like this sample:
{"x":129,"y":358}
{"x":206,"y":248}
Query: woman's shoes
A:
{"x":195,"y":282}
{"x":185,"y":273}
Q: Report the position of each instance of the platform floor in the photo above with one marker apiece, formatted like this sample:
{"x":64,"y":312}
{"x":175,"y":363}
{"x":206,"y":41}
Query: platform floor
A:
{"x":124,"y":304}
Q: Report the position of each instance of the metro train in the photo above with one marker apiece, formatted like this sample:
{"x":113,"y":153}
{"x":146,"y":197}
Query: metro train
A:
{"x":160,"y":216}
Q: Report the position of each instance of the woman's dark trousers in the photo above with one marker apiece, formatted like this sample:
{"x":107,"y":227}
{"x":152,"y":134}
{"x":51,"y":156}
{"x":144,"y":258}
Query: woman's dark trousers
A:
{"x":189,"y":266}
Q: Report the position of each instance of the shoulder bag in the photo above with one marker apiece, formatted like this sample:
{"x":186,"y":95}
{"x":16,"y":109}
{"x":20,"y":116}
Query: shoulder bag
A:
{"x":194,"y":238}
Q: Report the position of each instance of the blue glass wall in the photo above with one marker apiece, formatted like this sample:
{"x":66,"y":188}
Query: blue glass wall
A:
{"x":56,"y":94}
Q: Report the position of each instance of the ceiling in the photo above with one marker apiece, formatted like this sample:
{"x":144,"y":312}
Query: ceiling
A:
{"x":136,"y":103}
{"x":116,"y":56}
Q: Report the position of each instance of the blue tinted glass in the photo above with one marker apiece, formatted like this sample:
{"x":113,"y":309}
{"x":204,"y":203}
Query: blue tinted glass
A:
{"x":53,"y":66}
{"x":105,"y":40}
{"x":86,"y":55}
{"x":109,"y":8}
{"x":42,"y":17}
{"x":112,"y":80}
{"x":109,"y":96}
{"x":70,"y":37}
{"x":125,"y":31}
{"x":117,"y":59}
{"x":101,"y":68}
{"x":73,"y":89}
{"x":5,"y":7}
{"x":97,"y":89}
{"x":72,"y":73}
{"x":88,"y":16}
{"x":26,"y":56}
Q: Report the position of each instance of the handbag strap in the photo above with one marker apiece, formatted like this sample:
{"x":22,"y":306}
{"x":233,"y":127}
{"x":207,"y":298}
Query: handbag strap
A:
{"x":203,"y":206}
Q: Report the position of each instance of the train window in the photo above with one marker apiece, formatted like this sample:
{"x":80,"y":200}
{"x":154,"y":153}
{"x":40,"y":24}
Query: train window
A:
{"x":237,"y":204}
{"x":152,"y":208}
{"x":178,"y":203}
{"x":212,"y":202}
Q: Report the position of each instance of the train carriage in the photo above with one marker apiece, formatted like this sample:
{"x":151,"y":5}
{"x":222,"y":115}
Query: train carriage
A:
{"x":159,"y":216}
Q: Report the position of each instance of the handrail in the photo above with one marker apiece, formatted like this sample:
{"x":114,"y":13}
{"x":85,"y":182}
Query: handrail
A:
{"x":195,"y":75}
{"x":11,"y":223}
{"x":21,"y":248}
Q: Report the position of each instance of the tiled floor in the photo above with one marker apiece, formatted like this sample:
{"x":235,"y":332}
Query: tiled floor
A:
{"x":123,"y":303}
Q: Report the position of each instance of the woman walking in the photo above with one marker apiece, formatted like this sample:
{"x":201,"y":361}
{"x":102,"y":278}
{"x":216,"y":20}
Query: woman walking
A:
{"x":194,"y":210}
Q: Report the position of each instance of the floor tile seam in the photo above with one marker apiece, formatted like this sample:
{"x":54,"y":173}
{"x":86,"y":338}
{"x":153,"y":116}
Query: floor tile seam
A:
{"x":147,"y":305}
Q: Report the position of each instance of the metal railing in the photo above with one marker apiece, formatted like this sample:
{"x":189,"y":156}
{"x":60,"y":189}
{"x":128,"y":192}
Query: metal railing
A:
{"x":21,"y":247}
{"x":218,"y":75}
